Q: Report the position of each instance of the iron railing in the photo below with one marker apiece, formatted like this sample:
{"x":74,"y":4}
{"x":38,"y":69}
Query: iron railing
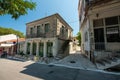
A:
{"x":106,"y":50}
{"x":36,"y":35}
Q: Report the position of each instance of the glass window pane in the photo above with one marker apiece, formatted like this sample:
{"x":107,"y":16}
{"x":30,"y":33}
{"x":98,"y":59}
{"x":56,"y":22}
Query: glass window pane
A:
{"x":31,"y":31}
{"x":112,"y":34}
{"x":98,"y":22}
{"x":47,"y":27}
{"x":38,"y":30}
{"x":111,"y":20}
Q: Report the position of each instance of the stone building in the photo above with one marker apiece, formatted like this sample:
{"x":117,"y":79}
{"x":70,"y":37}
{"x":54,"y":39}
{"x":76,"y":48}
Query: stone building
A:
{"x":100,"y":29}
{"x":48,"y":37}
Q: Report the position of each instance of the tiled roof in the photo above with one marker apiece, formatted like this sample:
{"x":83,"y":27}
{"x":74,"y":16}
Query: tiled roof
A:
{"x":14,"y":40}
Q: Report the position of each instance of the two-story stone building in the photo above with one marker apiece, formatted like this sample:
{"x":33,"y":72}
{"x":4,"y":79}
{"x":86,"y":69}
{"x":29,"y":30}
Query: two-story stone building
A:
{"x":48,"y":37}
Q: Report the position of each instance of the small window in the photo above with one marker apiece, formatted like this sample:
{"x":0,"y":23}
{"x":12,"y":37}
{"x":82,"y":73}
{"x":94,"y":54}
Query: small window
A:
{"x":62,"y":30}
{"x":112,"y":34}
{"x":38,"y":29}
{"x":98,"y":23}
{"x":111,"y":21}
{"x":47,"y":27}
{"x":31,"y":31}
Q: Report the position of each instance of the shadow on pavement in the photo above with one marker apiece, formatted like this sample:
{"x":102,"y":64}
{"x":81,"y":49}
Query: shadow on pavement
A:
{"x":50,"y":72}
{"x":15,"y":59}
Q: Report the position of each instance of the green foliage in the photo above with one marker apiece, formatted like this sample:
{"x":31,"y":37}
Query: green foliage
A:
{"x":79,"y":38}
{"x":5,"y":31}
{"x":16,"y":8}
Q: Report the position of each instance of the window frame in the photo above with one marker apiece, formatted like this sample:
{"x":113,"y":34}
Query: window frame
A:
{"x":109,"y":26}
{"x":47,"y":27}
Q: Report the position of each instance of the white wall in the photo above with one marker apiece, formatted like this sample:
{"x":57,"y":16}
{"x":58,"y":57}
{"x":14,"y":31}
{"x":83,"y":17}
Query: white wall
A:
{"x":7,"y":37}
{"x":84,"y":29}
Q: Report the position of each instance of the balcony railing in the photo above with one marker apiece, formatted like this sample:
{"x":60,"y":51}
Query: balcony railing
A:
{"x":43,"y":35}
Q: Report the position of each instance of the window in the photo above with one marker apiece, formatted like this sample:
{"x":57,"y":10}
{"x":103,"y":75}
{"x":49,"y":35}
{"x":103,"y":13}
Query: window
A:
{"x":34,"y":48}
{"x":62,"y":30}
{"x":111,"y":20}
{"x":49,"y":49}
{"x":47,"y":27}
{"x":66,"y":32}
{"x":98,"y":23}
{"x":31,"y":31}
{"x":112,"y":28}
{"x":41,"y":47}
{"x":38,"y":29}
{"x":28,"y":48}
{"x":112,"y":34}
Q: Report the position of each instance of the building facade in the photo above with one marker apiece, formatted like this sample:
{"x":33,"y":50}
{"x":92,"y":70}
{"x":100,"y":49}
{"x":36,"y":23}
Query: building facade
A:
{"x":100,"y":28}
{"x":11,"y":44}
{"x":48,"y":37}
{"x":74,"y":46}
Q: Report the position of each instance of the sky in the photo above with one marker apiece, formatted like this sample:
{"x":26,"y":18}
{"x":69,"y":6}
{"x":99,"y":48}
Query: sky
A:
{"x":68,"y":9}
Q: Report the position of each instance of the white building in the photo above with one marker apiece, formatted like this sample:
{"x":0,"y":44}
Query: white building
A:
{"x":11,"y":44}
{"x":7,"y":37}
{"x":100,"y":28}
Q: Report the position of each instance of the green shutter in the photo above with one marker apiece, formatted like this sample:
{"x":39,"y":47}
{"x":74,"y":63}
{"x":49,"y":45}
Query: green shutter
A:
{"x":41,"y":46}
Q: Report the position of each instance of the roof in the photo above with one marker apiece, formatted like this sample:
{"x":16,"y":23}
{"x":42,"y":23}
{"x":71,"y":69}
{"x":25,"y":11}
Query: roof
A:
{"x":14,"y":40}
{"x":7,"y":37}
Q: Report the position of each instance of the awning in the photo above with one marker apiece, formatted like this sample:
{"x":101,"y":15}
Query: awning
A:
{"x":6,"y":45}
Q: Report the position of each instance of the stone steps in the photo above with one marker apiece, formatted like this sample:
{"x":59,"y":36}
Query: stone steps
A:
{"x":107,"y":63}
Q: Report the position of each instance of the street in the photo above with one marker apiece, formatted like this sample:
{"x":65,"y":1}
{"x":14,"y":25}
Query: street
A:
{"x":28,"y":70}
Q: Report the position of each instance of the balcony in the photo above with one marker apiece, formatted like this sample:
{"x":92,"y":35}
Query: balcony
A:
{"x":42,"y":35}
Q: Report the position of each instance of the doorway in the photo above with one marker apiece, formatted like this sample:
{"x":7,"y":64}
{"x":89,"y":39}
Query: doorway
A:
{"x":99,"y":39}
{"x":49,"y":49}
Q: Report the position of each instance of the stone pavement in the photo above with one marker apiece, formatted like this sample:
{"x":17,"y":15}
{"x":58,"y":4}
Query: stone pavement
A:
{"x":28,"y":70}
{"x":76,"y":61}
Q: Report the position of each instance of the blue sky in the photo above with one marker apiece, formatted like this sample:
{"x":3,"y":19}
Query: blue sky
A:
{"x":68,"y":9}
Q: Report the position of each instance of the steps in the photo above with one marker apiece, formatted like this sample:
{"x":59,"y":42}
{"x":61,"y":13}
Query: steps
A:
{"x":62,"y":50}
{"x":108,"y":62}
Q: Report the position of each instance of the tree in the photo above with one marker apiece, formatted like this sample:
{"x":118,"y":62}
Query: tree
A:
{"x":16,"y":8}
{"x":79,"y":38}
{"x":5,"y":31}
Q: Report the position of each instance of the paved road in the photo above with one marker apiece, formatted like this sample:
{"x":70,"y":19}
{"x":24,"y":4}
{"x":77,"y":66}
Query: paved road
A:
{"x":20,"y":70}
